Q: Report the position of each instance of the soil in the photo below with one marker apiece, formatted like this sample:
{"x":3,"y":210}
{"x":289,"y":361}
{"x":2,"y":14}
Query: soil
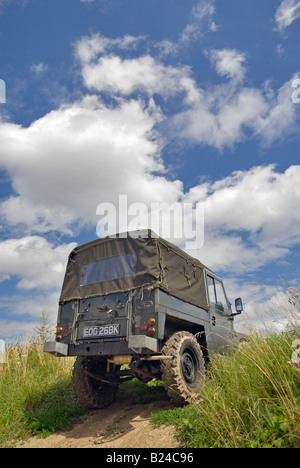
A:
{"x":121,"y":425}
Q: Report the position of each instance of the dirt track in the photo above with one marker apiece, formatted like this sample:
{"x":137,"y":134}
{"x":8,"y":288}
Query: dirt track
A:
{"x":122,"y":425}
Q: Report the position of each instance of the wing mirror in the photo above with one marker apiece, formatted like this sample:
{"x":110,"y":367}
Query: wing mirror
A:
{"x":238,"y":307}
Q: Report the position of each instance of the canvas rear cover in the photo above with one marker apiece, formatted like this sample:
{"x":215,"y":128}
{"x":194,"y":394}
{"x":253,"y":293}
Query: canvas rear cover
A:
{"x":120,"y":264}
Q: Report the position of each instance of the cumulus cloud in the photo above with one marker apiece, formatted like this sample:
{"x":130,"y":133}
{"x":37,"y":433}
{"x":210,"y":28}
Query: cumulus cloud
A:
{"x":72,"y":159}
{"x":91,"y":151}
{"x":265,"y":201}
{"x":265,"y":306}
{"x":34,"y":261}
{"x":287,"y":12}
{"x":228,"y":114}
{"x":38,"y":267}
{"x":26,"y":307}
{"x":202,"y":20}
{"x":88,"y":48}
{"x":229,"y":63}
{"x":282,"y":117}
{"x":251,"y":217}
{"x":67,"y":162}
{"x":104,"y":69}
{"x":125,"y":76}
{"x":219,"y":116}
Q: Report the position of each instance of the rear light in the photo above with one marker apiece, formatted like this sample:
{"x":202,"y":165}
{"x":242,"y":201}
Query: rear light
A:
{"x":58,"y":338}
{"x":151,"y":331}
{"x":144,"y":327}
{"x":151,"y":321}
{"x":59,"y":330}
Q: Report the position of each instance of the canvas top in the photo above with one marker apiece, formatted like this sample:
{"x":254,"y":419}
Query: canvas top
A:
{"x":133,"y":260}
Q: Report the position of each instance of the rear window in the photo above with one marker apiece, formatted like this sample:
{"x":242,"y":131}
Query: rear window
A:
{"x":108,"y":269}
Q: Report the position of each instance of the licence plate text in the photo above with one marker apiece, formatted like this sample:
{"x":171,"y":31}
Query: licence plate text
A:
{"x":107,"y":330}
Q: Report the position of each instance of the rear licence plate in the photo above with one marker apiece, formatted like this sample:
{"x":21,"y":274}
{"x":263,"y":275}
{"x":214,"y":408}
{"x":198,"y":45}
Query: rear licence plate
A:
{"x":106,"y":330}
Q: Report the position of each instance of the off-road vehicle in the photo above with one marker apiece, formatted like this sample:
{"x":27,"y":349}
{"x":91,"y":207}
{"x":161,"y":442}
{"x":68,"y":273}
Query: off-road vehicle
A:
{"x":135,"y":305}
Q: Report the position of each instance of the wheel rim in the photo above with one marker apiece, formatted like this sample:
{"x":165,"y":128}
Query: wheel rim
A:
{"x":189,"y":365}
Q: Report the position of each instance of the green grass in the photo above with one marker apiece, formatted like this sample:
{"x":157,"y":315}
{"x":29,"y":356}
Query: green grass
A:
{"x":251,"y":399}
{"x":36,"y":394}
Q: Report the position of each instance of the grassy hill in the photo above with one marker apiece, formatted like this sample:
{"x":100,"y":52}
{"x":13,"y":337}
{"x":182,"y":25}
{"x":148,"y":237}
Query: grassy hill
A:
{"x":250,"y":399}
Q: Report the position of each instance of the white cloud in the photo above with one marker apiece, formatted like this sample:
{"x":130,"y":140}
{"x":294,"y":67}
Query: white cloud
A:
{"x":227,"y":114}
{"x":262,"y":198}
{"x":287,"y":12}
{"x":34,"y":261}
{"x":105,"y":71}
{"x":26,"y":307}
{"x":166,"y":47}
{"x":125,"y":76}
{"x":66,"y":163}
{"x":251,"y":218}
{"x":202,"y":20}
{"x":281,"y":118}
{"x":229,"y":63}
{"x":266,"y":307}
{"x":88,"y":48}
{"x":39,"y":68}
{"x":280,"y":50}
{"x":16,"y":329}
{"x":219,"y":116}
{"x":72,"y":159}
{"x":38,"y":266}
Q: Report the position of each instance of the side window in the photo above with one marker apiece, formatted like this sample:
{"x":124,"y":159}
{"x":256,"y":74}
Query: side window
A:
{"x":211,"y":289}
{"x":221,"y":299}
{"x":216,"y":292}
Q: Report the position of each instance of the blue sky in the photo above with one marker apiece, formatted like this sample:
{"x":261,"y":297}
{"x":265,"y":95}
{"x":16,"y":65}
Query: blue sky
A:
{"x":176,"y":101}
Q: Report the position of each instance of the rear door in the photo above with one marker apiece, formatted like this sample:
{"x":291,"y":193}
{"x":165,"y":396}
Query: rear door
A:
{"x":220,"y":311}
{"x":102,"y":318}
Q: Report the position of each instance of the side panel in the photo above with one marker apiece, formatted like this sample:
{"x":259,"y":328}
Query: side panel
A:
{"x":170,"y":306}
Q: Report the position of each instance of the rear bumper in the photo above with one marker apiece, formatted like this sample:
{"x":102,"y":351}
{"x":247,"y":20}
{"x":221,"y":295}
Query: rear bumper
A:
{"x":140,"y":344}
{"x":56,"y":349}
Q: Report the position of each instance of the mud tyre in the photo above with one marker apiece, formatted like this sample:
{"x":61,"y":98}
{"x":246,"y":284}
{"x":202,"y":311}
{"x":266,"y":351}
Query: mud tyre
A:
{"x":90,"y":392}
{"x":185,"y":373}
